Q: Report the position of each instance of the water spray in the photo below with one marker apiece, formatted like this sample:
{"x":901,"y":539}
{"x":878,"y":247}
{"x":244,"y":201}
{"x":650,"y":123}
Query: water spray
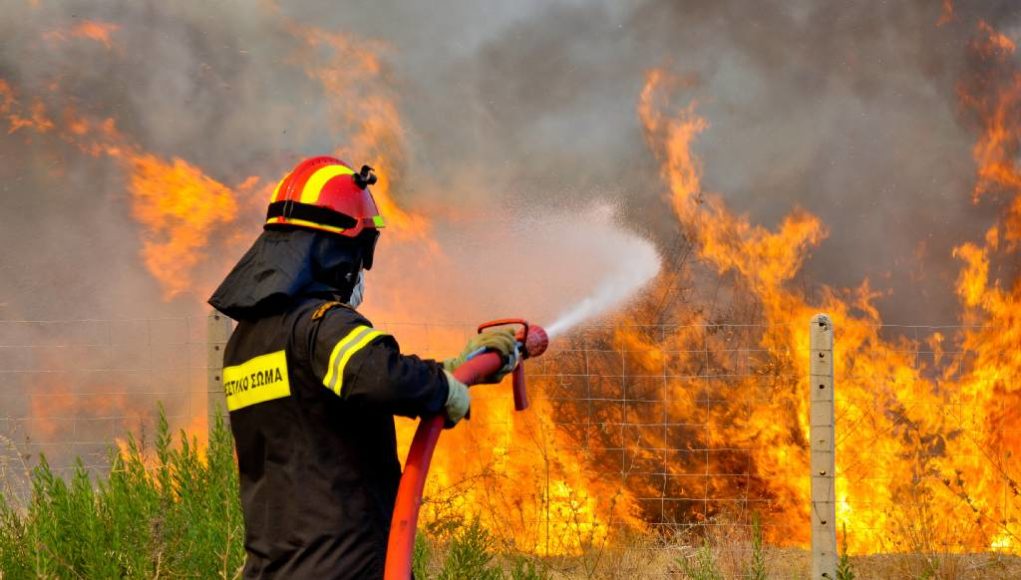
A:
{"x":620,"y":284}
{"x":532,"y":342}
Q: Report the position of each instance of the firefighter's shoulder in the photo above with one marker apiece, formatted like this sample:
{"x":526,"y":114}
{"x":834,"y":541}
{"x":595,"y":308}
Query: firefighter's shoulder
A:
{"x":336,"y":321}
{"x":340,"y":336}
{"x":335,"y":311}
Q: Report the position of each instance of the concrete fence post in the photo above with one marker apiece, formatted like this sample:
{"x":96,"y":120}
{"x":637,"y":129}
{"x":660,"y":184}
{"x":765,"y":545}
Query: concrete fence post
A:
{"x":821,"y":413}
{"x":218,"y":329}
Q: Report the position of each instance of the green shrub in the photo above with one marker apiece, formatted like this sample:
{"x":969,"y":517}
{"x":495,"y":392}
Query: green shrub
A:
{"x":702,"y":566}
{"x":757,"y":566}
{"x":170,"y":511}
{"x":420,"y":557}
{"x":845,"y":570}
{"x":180,"y":517}
{"x":469,"y":552}
{"x":470,"y":555}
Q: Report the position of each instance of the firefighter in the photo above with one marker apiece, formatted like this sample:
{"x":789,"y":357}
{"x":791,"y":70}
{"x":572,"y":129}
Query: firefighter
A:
{"x":312,"y":387}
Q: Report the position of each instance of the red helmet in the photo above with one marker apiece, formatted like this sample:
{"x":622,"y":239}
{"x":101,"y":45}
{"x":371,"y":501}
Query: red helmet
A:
{"x":325,"y":194}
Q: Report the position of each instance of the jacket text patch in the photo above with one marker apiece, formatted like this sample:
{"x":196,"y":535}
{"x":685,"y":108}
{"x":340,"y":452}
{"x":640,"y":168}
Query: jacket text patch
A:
{"x":257,"y":380}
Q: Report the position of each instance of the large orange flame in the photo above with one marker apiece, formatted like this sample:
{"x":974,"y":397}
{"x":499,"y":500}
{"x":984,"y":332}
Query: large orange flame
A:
{"x":918,"y":453}
{"x":181,"y":206}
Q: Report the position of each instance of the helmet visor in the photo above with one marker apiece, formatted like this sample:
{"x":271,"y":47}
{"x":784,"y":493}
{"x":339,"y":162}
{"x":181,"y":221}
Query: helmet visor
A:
{"x":369,"y":239}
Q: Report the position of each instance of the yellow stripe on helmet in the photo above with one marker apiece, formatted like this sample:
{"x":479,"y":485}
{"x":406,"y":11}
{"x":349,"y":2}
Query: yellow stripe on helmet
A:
{"x":316,"y":182}
{"x":276,"y":190}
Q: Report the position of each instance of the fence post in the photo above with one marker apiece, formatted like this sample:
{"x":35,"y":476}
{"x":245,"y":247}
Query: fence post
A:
{"x":820,"y":379}
{"x":218,"y":329}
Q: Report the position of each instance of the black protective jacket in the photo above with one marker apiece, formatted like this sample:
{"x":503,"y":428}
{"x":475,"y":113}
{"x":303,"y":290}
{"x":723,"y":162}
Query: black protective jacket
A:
{"x":311,"y":392}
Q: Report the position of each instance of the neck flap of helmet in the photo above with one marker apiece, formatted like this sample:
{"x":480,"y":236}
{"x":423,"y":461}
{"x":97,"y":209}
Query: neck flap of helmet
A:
{"x":284,"y":267}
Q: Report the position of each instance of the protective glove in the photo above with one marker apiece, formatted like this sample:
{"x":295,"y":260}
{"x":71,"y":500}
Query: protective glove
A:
{"x":458,"y":401}
{"x":501,"y":340}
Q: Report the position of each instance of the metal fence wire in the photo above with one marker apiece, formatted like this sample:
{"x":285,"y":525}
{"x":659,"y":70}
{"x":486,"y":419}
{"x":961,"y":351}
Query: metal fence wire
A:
{"x":697,"y":426}
{"x":69,"y":388}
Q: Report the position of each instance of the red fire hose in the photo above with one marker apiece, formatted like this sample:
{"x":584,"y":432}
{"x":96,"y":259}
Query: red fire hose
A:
{"x":532,"y":341}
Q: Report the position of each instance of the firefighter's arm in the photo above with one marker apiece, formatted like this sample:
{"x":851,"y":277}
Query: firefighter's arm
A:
{"x":365,"y":367}
{"x":382,"y":377}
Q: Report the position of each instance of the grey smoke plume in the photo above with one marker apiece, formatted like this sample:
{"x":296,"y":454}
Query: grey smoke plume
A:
{"x":846,"y":109}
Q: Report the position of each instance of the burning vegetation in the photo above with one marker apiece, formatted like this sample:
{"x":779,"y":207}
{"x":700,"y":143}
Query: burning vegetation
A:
{"x":679,"y":410}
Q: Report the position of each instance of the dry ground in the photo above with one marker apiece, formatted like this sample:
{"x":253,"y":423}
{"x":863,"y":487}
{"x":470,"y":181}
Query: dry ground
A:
{"x":646,"y":560}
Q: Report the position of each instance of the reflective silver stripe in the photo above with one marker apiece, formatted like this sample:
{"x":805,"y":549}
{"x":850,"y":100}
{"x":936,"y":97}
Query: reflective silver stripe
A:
{"x":345,"y":349}
{"x":338,"y":353}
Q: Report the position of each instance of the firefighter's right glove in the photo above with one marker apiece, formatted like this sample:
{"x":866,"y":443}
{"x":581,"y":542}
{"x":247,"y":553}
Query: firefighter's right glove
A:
{"x":458,"y":401}
{"x":501,"y":340}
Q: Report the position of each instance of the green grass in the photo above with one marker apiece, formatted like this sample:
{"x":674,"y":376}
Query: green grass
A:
{"x":172,"y":510}
{"x":845,"y":569}
{"x":471,"y":555}
{"x":176,"y":516}
{"x":757,"y":565}
{"x":702,"y":566}
{"x":470,"y":552}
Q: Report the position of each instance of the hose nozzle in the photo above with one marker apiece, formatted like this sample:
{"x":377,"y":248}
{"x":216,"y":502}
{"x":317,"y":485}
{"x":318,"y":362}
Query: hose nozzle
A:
{"x":534,"y":341}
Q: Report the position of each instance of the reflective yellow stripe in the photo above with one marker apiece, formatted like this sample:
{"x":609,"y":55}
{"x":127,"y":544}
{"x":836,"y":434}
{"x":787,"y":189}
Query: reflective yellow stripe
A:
{"x":257,"y":380}
{"x":378,"y":221}
{"x":355,"y":341}
{"x":308,"y":224}
{"x":338,"y":351}
{"x":351,"y":352}
{"x":315,"y":183}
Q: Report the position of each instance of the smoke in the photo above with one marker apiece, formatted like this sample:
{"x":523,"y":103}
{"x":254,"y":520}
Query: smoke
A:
{"x":176,"y":79}
{"x":571,"y":264}
{"x":626,"y":264}
{"x":502,"y":126}
{"x":846,"y":110}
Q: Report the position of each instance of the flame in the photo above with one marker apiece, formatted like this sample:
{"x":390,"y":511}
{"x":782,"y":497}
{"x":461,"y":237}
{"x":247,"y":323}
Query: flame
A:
{"x":902,"y":469}
{"x":520,"y":475}
{"x":997,"y":144}
{"x":364,"y":108}
{"x":56,"y":410}
{"x":34,"y":118}
{"x":180,"y":206}
{"x":1003,"y":542}
{"x":946,"y":15}
{"x":94,"y":30}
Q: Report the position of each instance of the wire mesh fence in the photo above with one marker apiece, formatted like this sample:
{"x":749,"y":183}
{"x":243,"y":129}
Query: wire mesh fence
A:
{"x":70,"y":388}
{"x":679,"y":428}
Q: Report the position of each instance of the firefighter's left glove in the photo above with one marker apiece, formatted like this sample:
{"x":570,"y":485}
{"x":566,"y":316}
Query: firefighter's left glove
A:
{"x":500,"y":340}
{"x":458,"y":401}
